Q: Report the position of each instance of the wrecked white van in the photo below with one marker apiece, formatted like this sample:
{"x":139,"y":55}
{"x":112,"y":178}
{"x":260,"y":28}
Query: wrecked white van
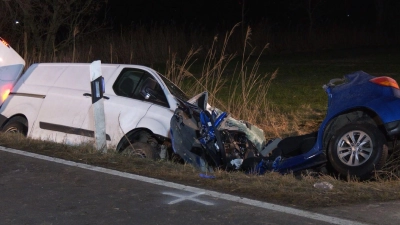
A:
{"x":52,"y":101}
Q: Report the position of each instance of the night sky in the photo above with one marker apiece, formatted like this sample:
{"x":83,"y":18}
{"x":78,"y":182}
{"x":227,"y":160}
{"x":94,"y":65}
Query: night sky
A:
{"x":283,"y":13}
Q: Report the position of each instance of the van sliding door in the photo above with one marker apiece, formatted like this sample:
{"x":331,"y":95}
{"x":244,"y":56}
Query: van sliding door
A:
{"x":65,"y":107}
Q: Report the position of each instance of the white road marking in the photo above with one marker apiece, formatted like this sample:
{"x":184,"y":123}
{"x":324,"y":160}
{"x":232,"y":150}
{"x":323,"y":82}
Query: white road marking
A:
{"x":185,"y":197}
{"x":247,"y":201}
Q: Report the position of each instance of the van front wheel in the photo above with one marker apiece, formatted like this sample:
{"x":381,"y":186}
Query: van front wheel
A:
{"x":140,"y":145}
{"x":16,"y":125}
{"x":140,"y":150}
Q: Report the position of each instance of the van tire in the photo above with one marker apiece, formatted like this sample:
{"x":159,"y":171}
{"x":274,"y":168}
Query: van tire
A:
{"x":140,"y":145}
{"x":16,"y":125}
{"x":140,"y":150}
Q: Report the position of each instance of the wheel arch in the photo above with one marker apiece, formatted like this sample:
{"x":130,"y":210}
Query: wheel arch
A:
{"x":134,"y":132}
{"x":155,"y":125}
{"x":16,"y":115}
{"x":24,"y":122}
{"x":27,"y":110}
{"x":349,"y":116}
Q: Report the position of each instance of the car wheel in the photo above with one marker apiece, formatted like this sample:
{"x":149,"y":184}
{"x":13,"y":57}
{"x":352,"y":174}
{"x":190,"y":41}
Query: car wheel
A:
{"x":16,"y":125}
{"x":358,"y":149}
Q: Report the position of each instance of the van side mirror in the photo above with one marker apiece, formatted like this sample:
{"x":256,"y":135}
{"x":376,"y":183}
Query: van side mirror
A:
{"x":148,"y":88}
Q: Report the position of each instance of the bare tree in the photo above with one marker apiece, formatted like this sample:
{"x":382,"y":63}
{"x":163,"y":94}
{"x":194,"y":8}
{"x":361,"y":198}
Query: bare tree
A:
{"x":312,"y":6}
{"x":310,"y":9}
{"x":51,"y":25}
{"x":8,"y":19}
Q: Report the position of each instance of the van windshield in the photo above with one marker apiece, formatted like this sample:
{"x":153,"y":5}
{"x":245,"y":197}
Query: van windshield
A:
{"x":175,"y":90}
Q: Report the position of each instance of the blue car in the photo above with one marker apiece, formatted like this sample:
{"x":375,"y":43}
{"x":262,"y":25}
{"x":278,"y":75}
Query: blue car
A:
{"x":363,"y":117}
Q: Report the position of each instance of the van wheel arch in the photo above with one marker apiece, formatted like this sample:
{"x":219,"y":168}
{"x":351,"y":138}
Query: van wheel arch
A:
{"x":130,"y":136}
{"x":140,"y":142}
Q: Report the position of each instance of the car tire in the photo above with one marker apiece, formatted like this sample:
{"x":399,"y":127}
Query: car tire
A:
{"x":357,"y":150}
{"x":16,"y":125}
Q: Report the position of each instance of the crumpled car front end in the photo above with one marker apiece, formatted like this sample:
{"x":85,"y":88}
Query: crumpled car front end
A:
{"x":208,"y":138}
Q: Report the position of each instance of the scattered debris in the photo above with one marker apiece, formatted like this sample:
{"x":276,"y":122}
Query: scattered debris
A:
{"x":207,"y":176}
{"x":323,"y":185}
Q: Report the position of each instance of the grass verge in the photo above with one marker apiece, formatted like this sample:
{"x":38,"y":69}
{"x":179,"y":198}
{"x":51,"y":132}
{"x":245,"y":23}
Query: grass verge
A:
{"x":297,"y":191}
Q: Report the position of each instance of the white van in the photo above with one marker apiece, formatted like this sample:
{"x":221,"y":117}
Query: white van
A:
{"x":52,"y":101}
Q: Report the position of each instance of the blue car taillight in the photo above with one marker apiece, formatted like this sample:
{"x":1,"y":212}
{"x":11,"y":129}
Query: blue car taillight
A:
{"x":385,"y":81}
{"x":388,"y":82}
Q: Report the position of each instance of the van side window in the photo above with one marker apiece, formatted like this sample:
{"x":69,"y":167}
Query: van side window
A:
{"x":135,"y":83}
{"x":127,"y":82}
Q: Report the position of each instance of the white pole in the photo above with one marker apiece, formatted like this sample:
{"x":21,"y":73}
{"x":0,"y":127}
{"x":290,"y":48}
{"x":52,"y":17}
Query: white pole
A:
{"x":98,"y":106}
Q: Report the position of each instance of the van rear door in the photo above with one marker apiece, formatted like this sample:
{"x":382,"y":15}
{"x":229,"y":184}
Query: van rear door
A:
{"x":11,"y":67}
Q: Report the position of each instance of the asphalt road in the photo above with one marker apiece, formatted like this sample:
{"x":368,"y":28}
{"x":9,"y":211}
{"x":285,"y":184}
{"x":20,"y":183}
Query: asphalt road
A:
{"x":48,"y":191}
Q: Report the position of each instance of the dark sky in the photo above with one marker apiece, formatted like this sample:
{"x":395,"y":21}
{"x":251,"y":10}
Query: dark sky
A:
{"x":205,"y":11}
{"x":213,"y":12}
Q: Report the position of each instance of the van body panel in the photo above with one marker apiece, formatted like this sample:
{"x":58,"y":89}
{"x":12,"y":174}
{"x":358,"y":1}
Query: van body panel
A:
{"x":43,"y":74}
{"x":78,"y":76}
{"x":19,"y":105}
{"x":121,"y":114}
{"x":157,"y":120}
{"x":64,"y":109}
{"x":31,"y":90}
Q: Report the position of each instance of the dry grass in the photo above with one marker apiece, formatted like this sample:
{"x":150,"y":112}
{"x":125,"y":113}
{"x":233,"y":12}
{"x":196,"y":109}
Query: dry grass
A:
{"x":211,"y":77}
{"x":391,"y":170}
{"x":285,"y":124}
{"x":246,"y":87}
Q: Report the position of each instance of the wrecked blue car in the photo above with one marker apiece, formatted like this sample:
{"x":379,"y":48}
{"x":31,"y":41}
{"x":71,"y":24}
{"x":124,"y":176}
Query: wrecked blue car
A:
{"x":362,"y":119}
